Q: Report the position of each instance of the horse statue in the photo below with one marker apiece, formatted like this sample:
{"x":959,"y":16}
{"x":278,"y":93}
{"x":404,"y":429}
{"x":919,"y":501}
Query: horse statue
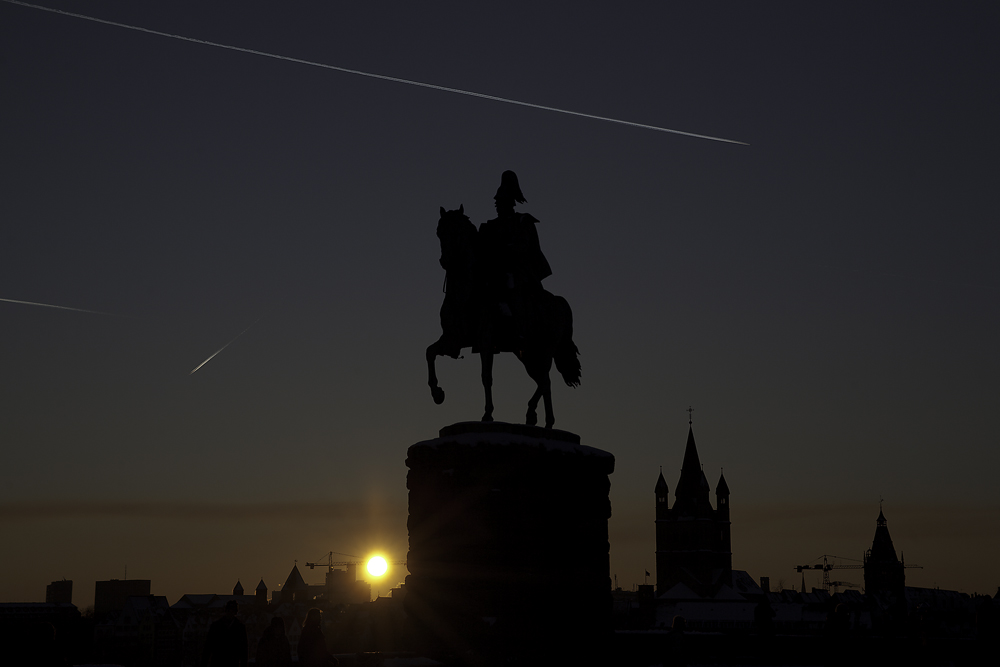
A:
{"x":470,"y":318}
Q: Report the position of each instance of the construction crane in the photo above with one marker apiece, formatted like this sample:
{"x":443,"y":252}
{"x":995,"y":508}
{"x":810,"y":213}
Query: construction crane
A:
{"x":826,"y":566}
{"x":330,"y":563}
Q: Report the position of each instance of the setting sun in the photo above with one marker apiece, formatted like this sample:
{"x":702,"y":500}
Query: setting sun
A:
{"x":377,"y":566}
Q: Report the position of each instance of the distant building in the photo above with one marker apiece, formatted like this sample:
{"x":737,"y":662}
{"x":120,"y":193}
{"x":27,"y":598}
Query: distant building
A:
{"x":110,"y":596}
{"x":802,"y":613}
{"x":37,"y":611}
{"x":897,"y":608}
{"x":344,"y":587}
{"x":142,"y":632}
{"x":59,"y":592}
{"x":295,"y":588}
{"x":341,"y":587}
{"x":885,"y":579}
{"x":694,"y":560}
{"x":693,"y":544}
{"x":20,"y":623}
{"x":194,"y":614}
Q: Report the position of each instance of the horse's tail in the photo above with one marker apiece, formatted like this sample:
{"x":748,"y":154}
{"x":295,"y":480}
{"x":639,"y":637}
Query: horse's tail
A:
{"x":564,"y":350}
{"x":567,"y":362}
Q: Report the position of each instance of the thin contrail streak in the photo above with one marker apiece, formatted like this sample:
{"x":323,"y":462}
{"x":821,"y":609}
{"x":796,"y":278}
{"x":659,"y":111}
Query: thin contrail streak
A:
{"x":49,"y":305}
{"x":383,"y":77}
{"x":224,"y":347}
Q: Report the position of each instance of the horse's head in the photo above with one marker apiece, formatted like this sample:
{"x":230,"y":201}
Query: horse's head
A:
{"x":458,"y":236}
{"x":452,"y":217}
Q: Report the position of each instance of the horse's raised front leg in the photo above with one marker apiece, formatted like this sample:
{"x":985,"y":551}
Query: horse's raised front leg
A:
{"x":437,"y":393}
{"x":487,"y":358}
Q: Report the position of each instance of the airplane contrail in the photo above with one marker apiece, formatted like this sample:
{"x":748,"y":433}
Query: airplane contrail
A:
{"x":224,"y":347}
{"x":50,"y":305}
{"x":372,"y":75}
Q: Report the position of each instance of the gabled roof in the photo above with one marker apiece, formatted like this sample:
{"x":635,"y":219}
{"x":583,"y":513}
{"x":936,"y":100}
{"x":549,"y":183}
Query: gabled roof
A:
{"x":194,"y":600}
{"x":679,"y":591}
{"x":744,"y":584}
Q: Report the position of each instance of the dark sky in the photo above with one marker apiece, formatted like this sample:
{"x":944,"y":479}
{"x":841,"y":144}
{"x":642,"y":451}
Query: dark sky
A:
{"x":826,"y":297}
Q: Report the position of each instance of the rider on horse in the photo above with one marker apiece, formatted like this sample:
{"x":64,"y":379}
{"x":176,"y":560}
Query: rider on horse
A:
{"x":494,"y":301}
{"x":513,"y":265}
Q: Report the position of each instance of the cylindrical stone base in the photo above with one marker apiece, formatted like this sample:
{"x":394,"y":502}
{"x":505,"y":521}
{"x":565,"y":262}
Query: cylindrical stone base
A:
{"x":508,"y":554}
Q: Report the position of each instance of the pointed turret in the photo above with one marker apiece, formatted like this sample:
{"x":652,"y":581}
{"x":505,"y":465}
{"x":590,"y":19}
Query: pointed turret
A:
{"x":722,"y":497}
{"x":722,"y":489}
{"x":238,"y":588}
{"x":722,"y":514}
{"x":661,"y":496}
{"x":661,"y":485}
{"x":261,"y":594}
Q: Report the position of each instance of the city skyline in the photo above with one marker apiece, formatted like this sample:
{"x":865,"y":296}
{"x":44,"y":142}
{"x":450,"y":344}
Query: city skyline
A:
{"x":825,"y":297}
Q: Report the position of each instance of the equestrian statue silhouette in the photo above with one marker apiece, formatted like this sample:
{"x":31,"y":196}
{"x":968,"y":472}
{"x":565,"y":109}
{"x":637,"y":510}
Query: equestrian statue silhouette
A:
{"x":494,"y":301}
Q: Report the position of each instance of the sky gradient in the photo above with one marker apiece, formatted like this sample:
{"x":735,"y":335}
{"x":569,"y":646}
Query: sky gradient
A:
{"x":826,"y":297}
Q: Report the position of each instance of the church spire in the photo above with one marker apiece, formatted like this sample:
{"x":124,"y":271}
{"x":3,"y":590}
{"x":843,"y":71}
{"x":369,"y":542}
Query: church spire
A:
{"x":882,"y":548}
{"x":691,"y":464}
{"x":692,"y":487}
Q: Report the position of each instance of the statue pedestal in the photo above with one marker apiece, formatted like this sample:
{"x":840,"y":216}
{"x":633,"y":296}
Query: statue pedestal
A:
{"x":508,"y":556}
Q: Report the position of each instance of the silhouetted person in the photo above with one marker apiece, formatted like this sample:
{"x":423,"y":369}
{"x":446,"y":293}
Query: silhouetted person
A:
{"x":312,"y":644}
{"x":763,"y":618}
{"x":273,"y":650}
{"x":512,"y":261}
{"x":226,"y":645}
{"x":837,"y":628}
{"x":41,"y":648}
{"x":675,"y":644}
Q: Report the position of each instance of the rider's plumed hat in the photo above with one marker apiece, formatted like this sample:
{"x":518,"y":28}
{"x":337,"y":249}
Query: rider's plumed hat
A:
{"x":509,"y":189}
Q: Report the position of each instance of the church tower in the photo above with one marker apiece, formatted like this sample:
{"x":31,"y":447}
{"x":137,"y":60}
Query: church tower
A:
{"x":885,"y":579}
{"x":693,"y":543}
